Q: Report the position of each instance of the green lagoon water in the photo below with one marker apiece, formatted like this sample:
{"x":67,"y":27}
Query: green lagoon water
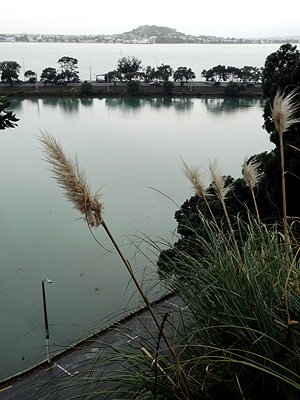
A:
{"x":127,"y":146}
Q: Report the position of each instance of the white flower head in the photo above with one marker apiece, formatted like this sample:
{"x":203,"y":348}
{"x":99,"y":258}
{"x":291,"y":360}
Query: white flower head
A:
{"x":283,"y":109}
{"x":251,"y":172}
{"x":218,"y":181}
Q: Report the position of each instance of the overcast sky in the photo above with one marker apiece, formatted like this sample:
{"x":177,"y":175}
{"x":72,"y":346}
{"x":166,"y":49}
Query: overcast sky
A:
{"x":232,"y":18}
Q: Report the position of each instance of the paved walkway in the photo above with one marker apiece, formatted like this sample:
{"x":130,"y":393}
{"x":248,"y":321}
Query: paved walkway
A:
{"x":46,"y":382}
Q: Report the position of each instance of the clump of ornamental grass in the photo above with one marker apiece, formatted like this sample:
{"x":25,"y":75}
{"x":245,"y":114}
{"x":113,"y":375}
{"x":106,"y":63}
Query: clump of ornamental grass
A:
{"x":231,"y":334}
{"x":239,"y":315}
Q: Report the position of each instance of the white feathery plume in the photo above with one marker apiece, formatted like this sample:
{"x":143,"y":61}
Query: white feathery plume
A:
{"x":283,"y":109}
{"x":195,"y":177}
{"x":218,"y":181}
{"x":72,"y":180}
{"x":251,"y":172}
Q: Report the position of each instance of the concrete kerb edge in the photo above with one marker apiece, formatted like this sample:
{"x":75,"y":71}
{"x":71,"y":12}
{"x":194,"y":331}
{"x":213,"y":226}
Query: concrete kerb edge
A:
{"x":76,"y":346}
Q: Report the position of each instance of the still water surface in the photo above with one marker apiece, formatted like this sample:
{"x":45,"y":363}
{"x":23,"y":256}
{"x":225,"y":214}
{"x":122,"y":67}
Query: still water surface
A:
{"x":94,"y":58}
{"x":126,"y":146}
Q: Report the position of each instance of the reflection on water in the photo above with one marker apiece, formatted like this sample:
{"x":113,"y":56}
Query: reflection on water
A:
{"x":136,"y":104}
{"x":231,"y":105}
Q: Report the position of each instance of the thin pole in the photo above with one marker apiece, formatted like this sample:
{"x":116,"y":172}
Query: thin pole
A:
{"x":47,"y":333}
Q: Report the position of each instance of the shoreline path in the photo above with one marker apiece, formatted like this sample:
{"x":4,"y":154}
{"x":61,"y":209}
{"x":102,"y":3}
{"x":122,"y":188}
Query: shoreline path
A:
{"x":54,"y":381}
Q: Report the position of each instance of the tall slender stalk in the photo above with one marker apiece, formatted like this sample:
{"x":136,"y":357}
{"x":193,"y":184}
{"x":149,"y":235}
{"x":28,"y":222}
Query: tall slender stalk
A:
{"x":283,"y":109}
{"x":250,"y":172}
{"x":74,"y":183}
{"x":221,"y":192}
{"x":193,"y":175}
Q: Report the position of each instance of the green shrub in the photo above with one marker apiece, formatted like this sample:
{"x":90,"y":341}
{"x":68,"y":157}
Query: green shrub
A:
{"x":233,"y":89}
{"x":74,"y":92}
{"x":168,"y":87}
{"x":133,"y":87}
{"x":86,"y":89}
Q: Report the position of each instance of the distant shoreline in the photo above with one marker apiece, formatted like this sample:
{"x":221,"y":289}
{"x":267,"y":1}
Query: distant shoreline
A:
{"x":194,"y":89}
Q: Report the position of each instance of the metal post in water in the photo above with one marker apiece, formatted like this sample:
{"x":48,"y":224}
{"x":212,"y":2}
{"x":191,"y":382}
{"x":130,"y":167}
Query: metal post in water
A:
{"x":46,"y":320}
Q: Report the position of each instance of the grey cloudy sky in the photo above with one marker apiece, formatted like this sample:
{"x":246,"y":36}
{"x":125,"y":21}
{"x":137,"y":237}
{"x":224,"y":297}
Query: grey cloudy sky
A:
{"x":232,"y":18}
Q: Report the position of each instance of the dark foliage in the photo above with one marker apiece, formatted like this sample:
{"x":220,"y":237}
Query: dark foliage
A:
{"x":7,"y":118}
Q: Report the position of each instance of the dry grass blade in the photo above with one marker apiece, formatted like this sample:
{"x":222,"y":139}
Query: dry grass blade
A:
{"x":284,"y":107}
{"x":72,"y":180}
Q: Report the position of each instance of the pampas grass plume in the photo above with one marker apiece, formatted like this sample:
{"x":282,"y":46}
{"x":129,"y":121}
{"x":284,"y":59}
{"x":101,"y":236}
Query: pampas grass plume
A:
{"x":251,"y":172}
{"x":194,"y":176}
{"x":72,"y":180}
{"x":283,"y":109}
{"x":218,"y":181}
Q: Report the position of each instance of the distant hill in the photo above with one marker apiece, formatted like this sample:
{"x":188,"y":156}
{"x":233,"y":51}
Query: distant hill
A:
{"x":145,"y":34}
{"x":161,"y":34}
{"x":153,"y":30}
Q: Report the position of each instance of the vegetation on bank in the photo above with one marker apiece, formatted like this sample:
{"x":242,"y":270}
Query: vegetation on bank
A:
{"x":128,"y":68}
{"x":236,"y":267}
{"x":65,"y":80}
{"x":7,"y":118}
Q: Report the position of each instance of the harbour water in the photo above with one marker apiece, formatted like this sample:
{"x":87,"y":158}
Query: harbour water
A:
{"x":94,"y":59}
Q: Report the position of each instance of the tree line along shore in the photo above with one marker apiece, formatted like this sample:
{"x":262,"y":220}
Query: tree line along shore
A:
{"x":131,"y":78}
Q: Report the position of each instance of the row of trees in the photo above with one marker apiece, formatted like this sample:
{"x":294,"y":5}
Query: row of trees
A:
{"x":68,"y":72}
{"x":129,"y":68}
{"x":247,"y":74}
